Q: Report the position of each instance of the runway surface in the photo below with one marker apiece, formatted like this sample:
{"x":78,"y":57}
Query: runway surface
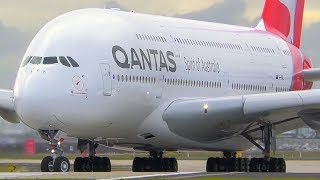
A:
{"x":187,"y":169}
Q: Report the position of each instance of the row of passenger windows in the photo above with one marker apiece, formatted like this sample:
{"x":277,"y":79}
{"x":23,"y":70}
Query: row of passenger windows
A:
{"x":169,"y":82}
{"x":138,"y":79}
{"x":151,"y":38}
{"x":66,"y":61}
{"x":193,"y":83}
{"x":249,"y":87}
{"x":282,"y":89}
{"x":263,"y":50}
{"x":208,"y":44}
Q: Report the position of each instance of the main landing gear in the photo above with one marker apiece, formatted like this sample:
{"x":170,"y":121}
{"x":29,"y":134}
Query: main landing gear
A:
{"x":267,"y":163}
{"x":155,"y":163}
{"x":56,"y":162}
{"x":91,"y":163}
{"x":229,"y":163}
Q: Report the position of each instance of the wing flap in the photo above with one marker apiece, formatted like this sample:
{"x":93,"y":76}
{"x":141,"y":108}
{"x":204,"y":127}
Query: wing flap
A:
{"x":7,"y":111}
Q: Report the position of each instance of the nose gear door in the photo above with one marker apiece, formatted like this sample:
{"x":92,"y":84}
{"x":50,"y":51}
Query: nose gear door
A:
{"x":106,"y":78}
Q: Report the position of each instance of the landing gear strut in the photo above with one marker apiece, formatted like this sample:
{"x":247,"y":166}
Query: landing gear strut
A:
{"x":155,"y":163}
{"x":56,"y":162}
{"x":229,"y":163}
{"x":91,"y":163}
{"x":267,"y":163}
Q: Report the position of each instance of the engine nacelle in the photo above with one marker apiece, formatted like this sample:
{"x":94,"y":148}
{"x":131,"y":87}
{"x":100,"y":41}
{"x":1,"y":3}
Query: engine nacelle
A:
{"x":207,"y":119}
{"x":312,"y":118}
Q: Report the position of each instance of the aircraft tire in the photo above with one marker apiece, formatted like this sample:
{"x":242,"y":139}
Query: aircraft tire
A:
{"x":47,"y":164}
{"x":61,"y":164}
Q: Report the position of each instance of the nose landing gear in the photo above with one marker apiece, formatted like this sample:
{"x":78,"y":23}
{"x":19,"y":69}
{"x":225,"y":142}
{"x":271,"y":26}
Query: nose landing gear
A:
{"x":56,"y":162}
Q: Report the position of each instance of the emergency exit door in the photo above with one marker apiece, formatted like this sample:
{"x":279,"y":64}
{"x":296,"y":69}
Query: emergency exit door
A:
{"x":106,"y":79}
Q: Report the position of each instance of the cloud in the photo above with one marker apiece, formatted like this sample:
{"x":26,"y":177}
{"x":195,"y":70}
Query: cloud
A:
{"x":217,"y":13}
{"x":167,"y":7}
{"x":13,"y":43}
{"x":114,"y":4}
{"x":310,"y":43}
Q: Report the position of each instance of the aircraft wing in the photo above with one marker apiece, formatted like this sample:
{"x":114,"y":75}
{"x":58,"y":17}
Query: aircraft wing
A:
{"x":7,"y":111}
{"x":209,"y":119}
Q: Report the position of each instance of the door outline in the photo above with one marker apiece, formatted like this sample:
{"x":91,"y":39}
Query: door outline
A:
{"x":106,"y":78}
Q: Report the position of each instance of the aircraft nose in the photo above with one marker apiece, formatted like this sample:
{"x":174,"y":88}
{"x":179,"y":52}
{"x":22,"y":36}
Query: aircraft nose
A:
{"x":38,"y":101}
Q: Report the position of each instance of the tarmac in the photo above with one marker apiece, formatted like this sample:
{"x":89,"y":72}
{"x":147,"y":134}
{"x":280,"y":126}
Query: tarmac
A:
{"x":121,"y":169}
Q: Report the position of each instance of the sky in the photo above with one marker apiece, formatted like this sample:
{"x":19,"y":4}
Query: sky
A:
{"x":20,"y":20}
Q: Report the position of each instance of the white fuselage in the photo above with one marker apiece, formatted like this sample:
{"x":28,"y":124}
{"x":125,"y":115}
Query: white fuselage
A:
{"x":131,"y":66}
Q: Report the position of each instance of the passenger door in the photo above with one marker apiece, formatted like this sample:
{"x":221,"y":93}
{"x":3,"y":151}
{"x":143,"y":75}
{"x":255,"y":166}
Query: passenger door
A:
{"x":106,"y":78}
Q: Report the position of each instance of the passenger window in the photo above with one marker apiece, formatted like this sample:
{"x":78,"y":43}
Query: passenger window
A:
{"x":64,"y":61}
{"x":36,"y":60}
{"x":50,"y":60}
{"x":73,"y":62}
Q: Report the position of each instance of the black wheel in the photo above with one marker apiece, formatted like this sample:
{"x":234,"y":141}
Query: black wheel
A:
{"x":246,"y":164}
{"x":96,"y":165}
{"x":174,"y":165}
{"x":234,"y":165}
{"x":137,"y":165}
{"x":167,"y":165}
{"x":282,"y":165}
{"x":106,"y":164}
{"x":254,"y":165}
{"x":147,"y":162}
{"x":209,"y":165}
{"x":77,"y":165}
{"x":273,"y":165}
{"x":212,"y":165}
{"x":157,"y":164}
{"x":47,"y":164}
{"x":242,"y":165}
{"x":86,"y":165}
{"x":61,"y":164}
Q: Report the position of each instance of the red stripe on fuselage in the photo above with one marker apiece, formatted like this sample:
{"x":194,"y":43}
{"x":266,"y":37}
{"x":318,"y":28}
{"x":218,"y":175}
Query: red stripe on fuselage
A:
{"x":297,"y":62}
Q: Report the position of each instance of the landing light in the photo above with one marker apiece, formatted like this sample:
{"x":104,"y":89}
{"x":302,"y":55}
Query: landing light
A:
{"x":206,"y":107}
{"x":59,"y":143}
{"x":52,"y":151}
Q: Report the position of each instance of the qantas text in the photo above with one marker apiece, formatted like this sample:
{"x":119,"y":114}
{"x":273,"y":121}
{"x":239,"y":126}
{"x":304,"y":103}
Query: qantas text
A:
{"x":144,"y":59}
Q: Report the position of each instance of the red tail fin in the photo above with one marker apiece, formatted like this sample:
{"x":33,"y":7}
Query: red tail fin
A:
{"x":284,"y":18}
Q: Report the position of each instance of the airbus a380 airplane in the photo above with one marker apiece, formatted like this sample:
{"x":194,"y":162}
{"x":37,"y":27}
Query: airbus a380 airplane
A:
{"x":162,"y":84}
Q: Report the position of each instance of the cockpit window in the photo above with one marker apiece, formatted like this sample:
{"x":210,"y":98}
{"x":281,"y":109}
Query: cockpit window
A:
{"x":50,"y":60}
{"x":73,"y":62}
{"x":26,"y":61}
{"x":64,"y":61}
{"x":36,"y":60}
